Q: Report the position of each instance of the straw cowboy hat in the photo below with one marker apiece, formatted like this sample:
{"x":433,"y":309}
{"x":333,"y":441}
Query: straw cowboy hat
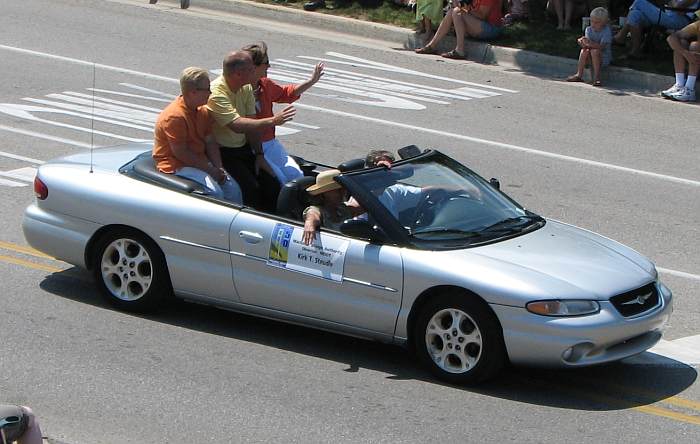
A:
{"x":324,"y":182}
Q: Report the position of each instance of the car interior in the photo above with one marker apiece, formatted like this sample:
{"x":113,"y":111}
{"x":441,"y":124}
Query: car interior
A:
{"x":292,"y":200}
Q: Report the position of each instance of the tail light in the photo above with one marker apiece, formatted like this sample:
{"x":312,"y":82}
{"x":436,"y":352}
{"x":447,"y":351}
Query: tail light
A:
{"x":40,"y":189}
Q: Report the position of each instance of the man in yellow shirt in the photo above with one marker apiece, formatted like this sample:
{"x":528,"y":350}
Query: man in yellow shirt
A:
{"x":232,"y":104}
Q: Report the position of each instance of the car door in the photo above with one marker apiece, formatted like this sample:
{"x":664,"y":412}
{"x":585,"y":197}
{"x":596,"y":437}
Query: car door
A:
{"x":338,"y":279}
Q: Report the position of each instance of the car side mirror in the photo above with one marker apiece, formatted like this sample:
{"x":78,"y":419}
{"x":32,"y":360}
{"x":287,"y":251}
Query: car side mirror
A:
{"x":361,"y":229}
{"x":495,"y":183}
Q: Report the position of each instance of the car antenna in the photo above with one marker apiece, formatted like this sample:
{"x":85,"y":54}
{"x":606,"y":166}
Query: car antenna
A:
{"x":92,"y":117}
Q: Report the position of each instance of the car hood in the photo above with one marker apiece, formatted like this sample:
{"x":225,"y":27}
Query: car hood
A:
{"x":564,"y":262}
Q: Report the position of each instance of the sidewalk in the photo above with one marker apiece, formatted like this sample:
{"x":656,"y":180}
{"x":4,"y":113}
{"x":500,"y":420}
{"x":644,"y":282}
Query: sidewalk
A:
{"x":529,"y":62}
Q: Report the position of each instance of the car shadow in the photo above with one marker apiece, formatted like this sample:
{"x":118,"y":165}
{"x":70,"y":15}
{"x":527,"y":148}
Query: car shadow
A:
{"x":608,"y":387}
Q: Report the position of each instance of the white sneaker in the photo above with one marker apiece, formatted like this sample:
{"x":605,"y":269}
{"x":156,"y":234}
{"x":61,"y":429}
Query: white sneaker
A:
{"x":684,"y":95}
{"x":671,"y":91}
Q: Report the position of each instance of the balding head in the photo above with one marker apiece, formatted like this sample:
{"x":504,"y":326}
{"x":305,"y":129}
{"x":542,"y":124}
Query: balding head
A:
{"x":237,"y":62}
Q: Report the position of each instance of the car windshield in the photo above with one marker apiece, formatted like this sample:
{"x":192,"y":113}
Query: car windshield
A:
{"x":436,"y":199}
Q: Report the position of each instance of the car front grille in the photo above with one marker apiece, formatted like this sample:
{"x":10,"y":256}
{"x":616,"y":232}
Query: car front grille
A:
{"x":637,"y":301}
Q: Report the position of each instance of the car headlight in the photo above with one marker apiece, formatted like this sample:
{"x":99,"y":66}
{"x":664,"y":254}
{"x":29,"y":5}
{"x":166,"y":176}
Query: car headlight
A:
{"x":563,"y":308}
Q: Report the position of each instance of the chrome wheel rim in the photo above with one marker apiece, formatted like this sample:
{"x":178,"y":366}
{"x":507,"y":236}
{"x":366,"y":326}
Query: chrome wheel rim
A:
{"x":127,"y":270}
{"x":453,"y":341}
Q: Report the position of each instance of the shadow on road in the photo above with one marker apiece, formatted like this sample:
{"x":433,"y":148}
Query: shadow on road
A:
{"x":603,"y":388}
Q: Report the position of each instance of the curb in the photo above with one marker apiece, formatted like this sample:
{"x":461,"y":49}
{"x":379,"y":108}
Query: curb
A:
{"x":527,"y":61}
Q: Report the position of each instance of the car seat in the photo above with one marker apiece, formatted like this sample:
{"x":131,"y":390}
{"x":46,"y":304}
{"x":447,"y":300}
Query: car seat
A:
{"x":145,"y":167}
{"x":293,"y":198}
{"x":351,"y":165}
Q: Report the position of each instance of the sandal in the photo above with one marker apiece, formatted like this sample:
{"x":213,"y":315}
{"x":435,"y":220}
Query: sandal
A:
{"x":427,"y":49}
{"x":597,"y":83}
{"x":574,"y":78}
{"x":454,"y":55}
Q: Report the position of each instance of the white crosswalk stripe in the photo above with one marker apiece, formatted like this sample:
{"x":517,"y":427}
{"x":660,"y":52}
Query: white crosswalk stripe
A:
{"x":679,"y":352}
{"x":11,"y":183}
{"x":26,"y":175}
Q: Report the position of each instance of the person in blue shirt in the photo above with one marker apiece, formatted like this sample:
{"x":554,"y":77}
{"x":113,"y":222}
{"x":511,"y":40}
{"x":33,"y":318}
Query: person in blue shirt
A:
{"x":595,"y":47}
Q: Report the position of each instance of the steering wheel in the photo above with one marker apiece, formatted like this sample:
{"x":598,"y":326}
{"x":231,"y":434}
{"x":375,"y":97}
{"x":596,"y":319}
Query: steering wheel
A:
{"x":426,"y":209}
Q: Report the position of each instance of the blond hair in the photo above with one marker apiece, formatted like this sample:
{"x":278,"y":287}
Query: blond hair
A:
{"x":600,"y":13}
{"x":192,"y":77}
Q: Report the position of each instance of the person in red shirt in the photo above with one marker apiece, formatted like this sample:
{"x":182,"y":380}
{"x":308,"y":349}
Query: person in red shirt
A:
{"x":268,"y":92}
{"x":479,"y":19}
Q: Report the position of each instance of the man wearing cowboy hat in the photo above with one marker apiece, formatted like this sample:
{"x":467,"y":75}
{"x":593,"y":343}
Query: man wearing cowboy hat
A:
{"x":332,"y":211}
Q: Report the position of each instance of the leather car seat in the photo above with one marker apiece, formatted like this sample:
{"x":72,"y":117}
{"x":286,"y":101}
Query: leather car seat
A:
{"x":145,"y":167}
{"x":293,"y":198}
{"x":351,"y":165}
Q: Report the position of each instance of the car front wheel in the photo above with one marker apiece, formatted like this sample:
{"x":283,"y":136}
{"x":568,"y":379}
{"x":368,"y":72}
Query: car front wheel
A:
{"x":459,"y":339}
{"x":130,"y":270}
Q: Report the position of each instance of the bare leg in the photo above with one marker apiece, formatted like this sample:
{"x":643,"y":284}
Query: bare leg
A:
{"x":636,"y":33}
{"x":559,"y":9}
{"x":568,"y":12}
{"x":582,"y":61}
{"x":596,"y":61}
{"x":621,"y":35}
{"x":460,"y":31}
{"x":442,"y":30}
{"x":693,"y":67}
{"x":472,"y":25}
{"x":428,"y":27}
{"x":678,"y":58}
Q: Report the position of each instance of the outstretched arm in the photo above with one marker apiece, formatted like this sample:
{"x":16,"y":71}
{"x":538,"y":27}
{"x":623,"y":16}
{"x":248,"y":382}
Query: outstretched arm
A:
{"x":247,"y":124}
{"x":302,"y":87}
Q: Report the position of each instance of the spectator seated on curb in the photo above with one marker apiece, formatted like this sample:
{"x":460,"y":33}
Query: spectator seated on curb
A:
{"x":595,"y":47}
{"x":479,"y":19}
{"x":686,"y":51}
{"x":428,"y":13}
{"x":567,"y":11}
{"x":517,"y":12}
{"x":18,"y":423}
{"x":643,"y":15}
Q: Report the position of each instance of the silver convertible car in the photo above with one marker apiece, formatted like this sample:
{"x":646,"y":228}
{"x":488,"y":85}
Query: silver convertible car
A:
{"x":442,"y":261}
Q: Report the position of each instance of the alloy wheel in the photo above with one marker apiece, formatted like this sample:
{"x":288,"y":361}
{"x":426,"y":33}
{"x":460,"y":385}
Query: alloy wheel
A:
{"x":126,"y":269}
{"x":453,"y":341}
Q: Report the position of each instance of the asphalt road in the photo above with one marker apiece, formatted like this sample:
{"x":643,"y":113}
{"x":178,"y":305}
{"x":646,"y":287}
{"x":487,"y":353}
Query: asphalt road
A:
{"x":617,"y":163}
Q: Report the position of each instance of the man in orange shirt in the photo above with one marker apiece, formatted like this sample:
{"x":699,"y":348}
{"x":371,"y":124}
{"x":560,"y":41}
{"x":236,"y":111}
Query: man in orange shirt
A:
{"x":184,"y":143}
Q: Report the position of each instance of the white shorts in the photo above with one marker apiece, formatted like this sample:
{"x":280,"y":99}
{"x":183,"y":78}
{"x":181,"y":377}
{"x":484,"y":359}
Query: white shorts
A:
{"x":282,"y":164}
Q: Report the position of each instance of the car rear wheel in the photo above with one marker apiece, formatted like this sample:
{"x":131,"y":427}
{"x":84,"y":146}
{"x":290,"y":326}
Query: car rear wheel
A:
{"x":130,"y":270}
{"x":459,"y":339}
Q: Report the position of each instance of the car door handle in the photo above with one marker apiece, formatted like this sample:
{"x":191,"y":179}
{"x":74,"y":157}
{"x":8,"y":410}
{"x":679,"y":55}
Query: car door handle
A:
{"x":250,"y":237}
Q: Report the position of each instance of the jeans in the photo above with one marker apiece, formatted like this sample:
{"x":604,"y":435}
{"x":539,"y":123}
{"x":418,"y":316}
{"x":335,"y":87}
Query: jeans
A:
{"x":229,"y":190}
{"x":645,"y":14}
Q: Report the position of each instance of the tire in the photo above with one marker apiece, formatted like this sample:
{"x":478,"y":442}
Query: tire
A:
{"x":459,"y":339}
{"x":131,"y":271}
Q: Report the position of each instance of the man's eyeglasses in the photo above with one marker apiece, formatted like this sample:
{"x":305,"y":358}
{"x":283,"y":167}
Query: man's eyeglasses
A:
{"x":265,"y":62}
{"x":203,"y":89}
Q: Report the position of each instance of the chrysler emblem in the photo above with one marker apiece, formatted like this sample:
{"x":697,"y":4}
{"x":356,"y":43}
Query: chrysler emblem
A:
{"x":641,"y":299}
